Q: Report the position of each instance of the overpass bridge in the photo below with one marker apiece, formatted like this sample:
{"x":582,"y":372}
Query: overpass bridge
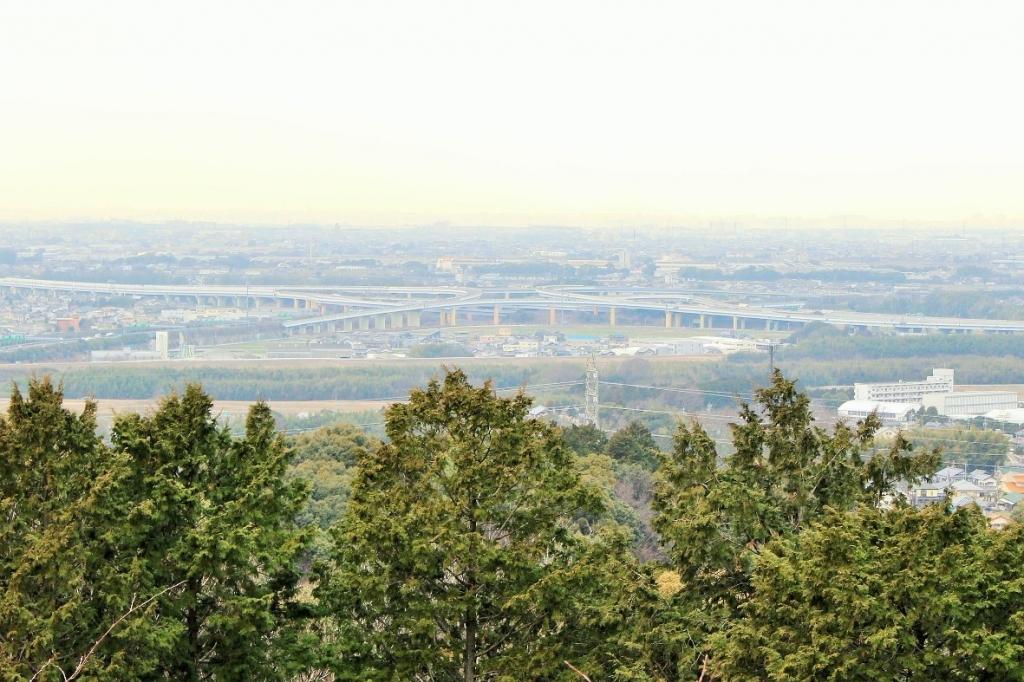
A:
{"x":318,"y":298}
{"x":679,"y":310}
{"x":326,"y":309}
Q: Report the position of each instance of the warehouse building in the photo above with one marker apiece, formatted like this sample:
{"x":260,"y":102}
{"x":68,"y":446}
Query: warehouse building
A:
{"x":891,"y":414}
{"x":967,"y":404}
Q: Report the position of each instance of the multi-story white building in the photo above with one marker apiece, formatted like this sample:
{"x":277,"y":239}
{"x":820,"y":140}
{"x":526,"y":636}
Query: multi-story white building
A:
{"x":970,"y":403}
{"x":940,"y":381}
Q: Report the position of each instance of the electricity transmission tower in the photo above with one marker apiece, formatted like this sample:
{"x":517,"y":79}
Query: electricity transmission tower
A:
{"x":590,"y":393}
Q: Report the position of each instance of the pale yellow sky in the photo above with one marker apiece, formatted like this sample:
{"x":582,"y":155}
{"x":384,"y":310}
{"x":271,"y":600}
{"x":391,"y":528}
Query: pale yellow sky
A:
{"x":581,"y":112}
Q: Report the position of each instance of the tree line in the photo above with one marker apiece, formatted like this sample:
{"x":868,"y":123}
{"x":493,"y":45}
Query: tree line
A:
{"x":476,"y":543}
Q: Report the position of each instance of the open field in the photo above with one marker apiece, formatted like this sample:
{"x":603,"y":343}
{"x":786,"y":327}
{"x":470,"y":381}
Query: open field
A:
{"x":111,"y":406}
{"x":1018,"y":388}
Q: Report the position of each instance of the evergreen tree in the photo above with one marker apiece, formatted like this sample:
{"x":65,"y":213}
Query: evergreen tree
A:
{"x":715,"y":517}
{"x":457,"y":554}
{"x":585,"y":440}
{"x":54,"y":476}
{"x":876,"y":594}
{"x":634,"y":444}
{"x":215,"y":514}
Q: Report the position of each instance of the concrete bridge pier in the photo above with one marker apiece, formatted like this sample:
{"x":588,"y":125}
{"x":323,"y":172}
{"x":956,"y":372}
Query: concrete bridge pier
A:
{"x":552,"y":316}
{"x":412,"y":319}
{"x":611,"y":316}
{"x":496,"y":318}
{"x":396,"y":321}
{"x":669,"y":318}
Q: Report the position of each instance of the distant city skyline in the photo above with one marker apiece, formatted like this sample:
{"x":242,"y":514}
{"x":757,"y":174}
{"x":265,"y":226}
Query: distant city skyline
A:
{"x":574,"y":113}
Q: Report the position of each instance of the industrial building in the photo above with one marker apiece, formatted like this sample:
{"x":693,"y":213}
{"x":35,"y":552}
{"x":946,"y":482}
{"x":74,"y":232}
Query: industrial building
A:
{"x":891,"y":414}
{"x":940,"y":381}
{"x":969,"y":404}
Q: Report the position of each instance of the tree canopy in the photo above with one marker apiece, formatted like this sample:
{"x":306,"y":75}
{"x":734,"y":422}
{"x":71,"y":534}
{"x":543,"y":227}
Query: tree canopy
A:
{"x":459,"y":541}
{"x":477,"y":543}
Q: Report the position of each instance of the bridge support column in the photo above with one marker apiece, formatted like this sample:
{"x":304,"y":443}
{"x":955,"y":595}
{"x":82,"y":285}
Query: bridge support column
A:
{"x":412,"y":319}
{"x":669,"y":321}
{"x":396,"y":320}
{"x":702,"y":322}
{"x":611,"y":317}
{"x":735,"y":322}
{"x":496,"y":319}
{"x":552,"y":316}
{"x":364,"y":323}
{"x":453,"y":317}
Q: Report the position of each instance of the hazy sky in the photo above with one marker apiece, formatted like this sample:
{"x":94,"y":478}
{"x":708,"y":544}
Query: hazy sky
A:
{"x":512,"y":112}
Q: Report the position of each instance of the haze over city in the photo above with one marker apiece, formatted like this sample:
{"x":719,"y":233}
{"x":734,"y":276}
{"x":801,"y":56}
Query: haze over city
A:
{"x":570,"y":113}
{"x":571,"y":341}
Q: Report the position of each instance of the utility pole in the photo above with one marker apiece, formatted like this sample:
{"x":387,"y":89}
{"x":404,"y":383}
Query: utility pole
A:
{"x":591,"y":404}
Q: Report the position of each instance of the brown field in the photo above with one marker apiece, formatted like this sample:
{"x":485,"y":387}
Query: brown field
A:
{"x":108,"y":407}
{"x":1019,"y":388}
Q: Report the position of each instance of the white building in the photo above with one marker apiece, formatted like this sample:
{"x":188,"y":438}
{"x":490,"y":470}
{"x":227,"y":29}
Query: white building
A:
{"x":161,"y":345}
{"x":939,"y":381}
{"x":891,"y":414}
{"x":970,"y":403}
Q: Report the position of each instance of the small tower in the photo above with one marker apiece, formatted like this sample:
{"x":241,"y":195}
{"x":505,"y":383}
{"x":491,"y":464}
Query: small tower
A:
{"x":591,"y":404}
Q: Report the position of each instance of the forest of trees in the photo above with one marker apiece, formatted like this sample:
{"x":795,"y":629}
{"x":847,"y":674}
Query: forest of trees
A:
{"x":476,"y":543}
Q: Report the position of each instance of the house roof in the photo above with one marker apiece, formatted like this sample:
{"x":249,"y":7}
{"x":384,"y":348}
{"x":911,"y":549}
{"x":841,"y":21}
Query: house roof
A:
{"x":930,"y":485}
{"x":966,"y":487}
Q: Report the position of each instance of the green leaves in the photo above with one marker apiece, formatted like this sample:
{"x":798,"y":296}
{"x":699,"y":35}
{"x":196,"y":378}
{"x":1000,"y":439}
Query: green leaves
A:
{"x":882,"y":594}
{"x":474,"y":544}
{"x":89,"y":532}
{"x":716,"y":515}
{"x":459,"y":545}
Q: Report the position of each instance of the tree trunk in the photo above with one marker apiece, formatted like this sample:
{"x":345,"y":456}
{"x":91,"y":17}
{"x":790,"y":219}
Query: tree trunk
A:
{"x":469,"y":674}
{"x":469,"y":667}
{"x":192,"y":625}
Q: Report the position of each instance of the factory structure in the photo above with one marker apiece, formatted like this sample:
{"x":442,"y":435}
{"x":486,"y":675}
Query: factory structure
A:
{"x":899,"y":403}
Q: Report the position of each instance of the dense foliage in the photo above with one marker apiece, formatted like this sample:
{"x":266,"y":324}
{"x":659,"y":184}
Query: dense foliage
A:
{"x":457,"y":548}
{"x":476,"y":543}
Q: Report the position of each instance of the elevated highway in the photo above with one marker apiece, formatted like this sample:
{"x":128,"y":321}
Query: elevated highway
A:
{"x":324,"y":309}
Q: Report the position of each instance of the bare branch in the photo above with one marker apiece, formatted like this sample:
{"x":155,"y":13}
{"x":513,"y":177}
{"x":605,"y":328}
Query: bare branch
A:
{"x":84,"y":660}
{"x":577,"y":671}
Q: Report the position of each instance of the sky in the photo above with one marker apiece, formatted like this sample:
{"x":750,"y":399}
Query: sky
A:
{"x":513,"y":113}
